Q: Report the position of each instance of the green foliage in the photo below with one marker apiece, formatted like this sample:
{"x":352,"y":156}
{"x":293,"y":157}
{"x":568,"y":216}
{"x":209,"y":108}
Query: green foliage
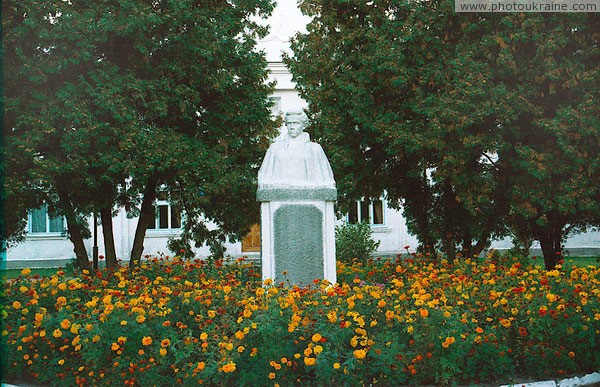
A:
{"x":353,"y":242}
{"x":109,"y":104}
{"x":469,"y":122}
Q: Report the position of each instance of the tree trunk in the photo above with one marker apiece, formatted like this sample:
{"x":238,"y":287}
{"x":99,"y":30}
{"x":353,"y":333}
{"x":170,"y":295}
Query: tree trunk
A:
{"x":146,"y":215}
{"x":467,"y":247}
{"x":75,"y":232}
{"x":109,"y":239}
{"x":551,"y":248}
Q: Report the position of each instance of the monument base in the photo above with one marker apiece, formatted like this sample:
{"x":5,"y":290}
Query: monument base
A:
{"x":298,"y":235}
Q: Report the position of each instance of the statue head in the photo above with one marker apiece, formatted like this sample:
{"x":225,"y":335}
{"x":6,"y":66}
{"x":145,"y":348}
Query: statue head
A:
{"x":295,"y":121}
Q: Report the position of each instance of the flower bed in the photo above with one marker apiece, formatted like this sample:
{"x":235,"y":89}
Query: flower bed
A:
{"x":406,"y":322}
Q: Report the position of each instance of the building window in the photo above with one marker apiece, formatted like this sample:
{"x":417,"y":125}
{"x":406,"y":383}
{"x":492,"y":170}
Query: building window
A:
{"x":367,"y":211}
{"x":41,"y":222}
{"x":168,"y":216}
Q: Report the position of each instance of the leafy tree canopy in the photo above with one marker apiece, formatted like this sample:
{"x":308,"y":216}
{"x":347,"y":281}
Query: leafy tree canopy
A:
{"x":108,"y":102}
{"x":442,"y":112}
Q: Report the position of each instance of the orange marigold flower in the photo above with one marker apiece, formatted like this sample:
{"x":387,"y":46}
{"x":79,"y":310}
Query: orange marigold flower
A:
{"x":448,"y":342}
{"x":423,"y":312}
{"x":147,"y":340}
{"x":310,"y":361}
{"x":65,"y":324}
{"x":229,"y":367}
{"x":16,"y":305}
{"x":316,"y":337}
{"x":479,"y":330}
{"x":165,"y":342}
{"x":272,"y":375}
{"x":115,"y":346}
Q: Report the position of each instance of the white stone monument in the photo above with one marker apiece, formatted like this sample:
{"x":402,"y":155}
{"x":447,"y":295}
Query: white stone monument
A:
{"x":297,"y":193}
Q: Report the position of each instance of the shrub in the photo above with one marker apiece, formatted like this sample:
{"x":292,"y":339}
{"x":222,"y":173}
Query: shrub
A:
{"x":354,"y":242}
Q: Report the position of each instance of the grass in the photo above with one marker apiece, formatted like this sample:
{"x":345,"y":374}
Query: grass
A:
{"x":8,"y":274}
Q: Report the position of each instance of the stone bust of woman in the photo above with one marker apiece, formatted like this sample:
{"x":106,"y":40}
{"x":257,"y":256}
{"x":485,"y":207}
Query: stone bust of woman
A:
{"x":293,"y":160}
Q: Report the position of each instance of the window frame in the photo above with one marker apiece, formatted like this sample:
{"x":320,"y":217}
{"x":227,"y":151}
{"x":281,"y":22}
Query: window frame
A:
{"x":164,"y":202}
{"x":359,"y":206}
{"x":31,"y":234}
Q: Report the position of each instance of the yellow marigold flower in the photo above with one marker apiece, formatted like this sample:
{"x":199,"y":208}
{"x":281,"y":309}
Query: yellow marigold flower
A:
{"x":336,"y":366}
{"x":241,"y":349}
{"x":268,"y":282}
{"x":121,"y":340}
{"x":57,"y":333}
{"x":203,"y":336}
{"x":212,"y":313}
{"x":308,"y":352}
{"x":96,"y":338}
{"x":26,"y":271}
{"x":360,"y":353}
{"x":123,"y":322}
{"x":272,"y":375}
{"x":75,"y":329}
{"x":505,"y":322}
{"x":310,"y":361}
{"x":381,"y":304}
{"x":316,"y":337}
{"x":147,"y":340}
{"x":115,"y":346}
{"x":165,"y":342}
{"x":140,"y":318}
{"x":16,"y":305}
{"x":61,"y":362}
{"x":247,"y":313}
{"x":260,"y":291}
{"x":162,"y":352}
{"x":62,"y":286}
{"x":229,"y":367}
{"x":65,"y":324}
{"x":317,"y":349}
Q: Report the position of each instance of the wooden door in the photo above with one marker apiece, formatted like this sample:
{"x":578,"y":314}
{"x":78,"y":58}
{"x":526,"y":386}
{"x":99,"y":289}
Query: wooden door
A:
{"x":251,"y":242}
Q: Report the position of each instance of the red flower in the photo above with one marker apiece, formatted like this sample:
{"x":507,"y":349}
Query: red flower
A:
{"x":522,"y":331}
{"x":101,"y":257}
